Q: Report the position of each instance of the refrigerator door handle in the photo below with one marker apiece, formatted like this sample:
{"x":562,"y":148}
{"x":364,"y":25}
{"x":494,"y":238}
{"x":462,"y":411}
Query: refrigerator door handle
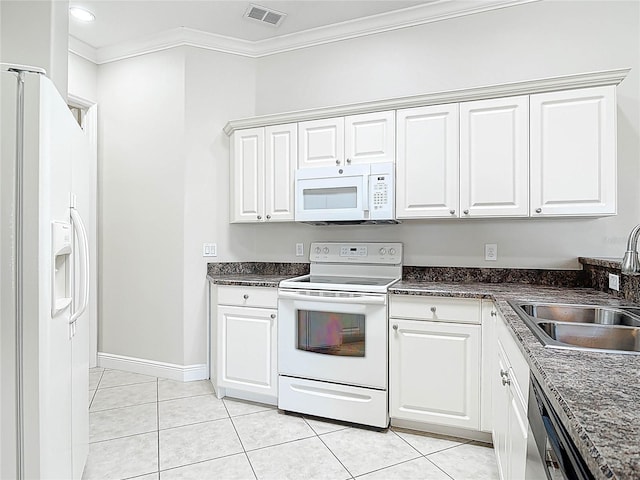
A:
{"x":81,"y":232}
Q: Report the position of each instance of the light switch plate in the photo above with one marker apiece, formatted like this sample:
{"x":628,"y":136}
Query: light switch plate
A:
{"x":491,"y":252}
{"x":209,"y":250}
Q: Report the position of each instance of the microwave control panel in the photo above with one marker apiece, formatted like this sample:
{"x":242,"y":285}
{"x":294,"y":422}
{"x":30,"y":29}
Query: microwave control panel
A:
{"x":381,"y":195}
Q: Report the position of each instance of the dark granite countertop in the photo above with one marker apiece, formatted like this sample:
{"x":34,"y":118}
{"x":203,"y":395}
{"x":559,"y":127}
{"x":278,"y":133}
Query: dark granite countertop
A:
{"x":248,"y":280}
{"x":597,"y":395}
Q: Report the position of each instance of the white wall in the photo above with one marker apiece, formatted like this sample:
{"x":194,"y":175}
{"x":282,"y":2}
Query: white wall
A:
{"x":141,"y":196}
{"x":164,"y":163}
{"x":218,"y":86}
{"x":525,"y":42}
{"x":83,"y":78}
{"x":36,"y":33}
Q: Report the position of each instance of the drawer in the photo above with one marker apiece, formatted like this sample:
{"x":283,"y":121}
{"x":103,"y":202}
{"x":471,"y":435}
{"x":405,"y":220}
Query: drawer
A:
{"x":248,"y":296}
{"x":436,"y":309}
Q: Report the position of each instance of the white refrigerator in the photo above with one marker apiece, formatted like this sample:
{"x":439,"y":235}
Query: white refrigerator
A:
{"x":44,"y":259}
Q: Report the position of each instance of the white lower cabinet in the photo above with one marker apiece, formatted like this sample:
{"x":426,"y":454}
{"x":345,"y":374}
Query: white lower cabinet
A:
{"x":434,"y":364}
{"x":510,"y":381}
{"x":245,"y":333}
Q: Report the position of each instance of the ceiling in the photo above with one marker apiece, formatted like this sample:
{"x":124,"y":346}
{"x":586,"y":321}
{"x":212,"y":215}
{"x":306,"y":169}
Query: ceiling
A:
{"x":127,"y":28}
{"x":120,"y":21}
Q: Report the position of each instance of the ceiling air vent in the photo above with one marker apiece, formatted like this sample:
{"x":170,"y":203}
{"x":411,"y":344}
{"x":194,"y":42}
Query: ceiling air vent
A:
{"x":264,"y":15}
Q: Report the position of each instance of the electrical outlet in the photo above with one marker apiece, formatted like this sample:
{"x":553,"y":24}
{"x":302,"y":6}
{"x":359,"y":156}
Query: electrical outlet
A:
{"x":491,"y":252}
{"x":209,"y":250}
{"x":299,"y":249}
{"x":614,"y":282}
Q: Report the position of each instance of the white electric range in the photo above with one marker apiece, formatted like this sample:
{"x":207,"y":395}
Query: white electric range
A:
{"x":332,"y":333}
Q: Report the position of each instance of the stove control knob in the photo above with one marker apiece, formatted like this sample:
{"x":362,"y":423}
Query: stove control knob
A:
{"x":325,"y":250}
{"x":392,"y":251}
{"x":318,"y":250}
{"x":383,"y":251}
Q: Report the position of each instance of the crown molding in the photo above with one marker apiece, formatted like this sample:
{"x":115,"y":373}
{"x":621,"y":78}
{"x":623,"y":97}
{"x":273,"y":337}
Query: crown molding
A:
{"x":527,"y":87}
{"x":418,"y":15}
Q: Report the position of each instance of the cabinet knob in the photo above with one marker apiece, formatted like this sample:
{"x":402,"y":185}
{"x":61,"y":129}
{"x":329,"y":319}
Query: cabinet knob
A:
{"x":245,"y":296}
{"x":273,"y":315}
{"x":494,"y":313}
{"x":538,"y":210}
{"x":349,"y":161}
{"x":395,"y":327}
{"x":337,"y":162}
{"x":452,"y":212}
{"x":433,"y":309}
{"x":506,"y":381}
{"x":268,"y":217}
{"x":259,"y":217}
{"x":466,"y":212}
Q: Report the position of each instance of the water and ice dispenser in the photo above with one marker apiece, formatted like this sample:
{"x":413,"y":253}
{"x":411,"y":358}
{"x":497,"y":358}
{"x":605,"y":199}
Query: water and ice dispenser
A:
{"x":61,"y":266}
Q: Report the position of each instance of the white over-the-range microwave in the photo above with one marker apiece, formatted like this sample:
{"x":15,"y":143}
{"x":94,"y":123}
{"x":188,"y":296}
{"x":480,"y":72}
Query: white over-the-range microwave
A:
{"x":349,"y":194}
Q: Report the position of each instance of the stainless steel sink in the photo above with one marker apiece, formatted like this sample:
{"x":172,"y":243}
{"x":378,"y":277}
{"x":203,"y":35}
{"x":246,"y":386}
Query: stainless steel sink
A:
{"x":583,"y":327}
{"x":581,"y":314}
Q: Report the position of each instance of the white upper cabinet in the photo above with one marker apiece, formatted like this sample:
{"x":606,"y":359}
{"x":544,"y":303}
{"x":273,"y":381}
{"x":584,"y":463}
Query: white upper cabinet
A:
{"x":370,"y":137}
{"x":263,"y":164}
{"x":494,"y":157}
{"x":573,"y":152}
{"x":365,"y":138}
{"x":427,"y":162}
{"x":321,"y":143}
{"x":280,"y":163}
{"x":247,"y":169}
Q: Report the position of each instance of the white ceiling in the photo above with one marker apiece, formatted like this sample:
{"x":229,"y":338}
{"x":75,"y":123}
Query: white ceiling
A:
{"x":127,"y":20}
{"x":126,"y":28}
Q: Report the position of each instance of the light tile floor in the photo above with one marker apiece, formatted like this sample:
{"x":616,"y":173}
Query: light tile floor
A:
{"x":148,"y":428}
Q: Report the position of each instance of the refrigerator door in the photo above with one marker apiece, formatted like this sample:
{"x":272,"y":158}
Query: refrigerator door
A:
{"x":54,"y":363}
{"x":8,"y":407}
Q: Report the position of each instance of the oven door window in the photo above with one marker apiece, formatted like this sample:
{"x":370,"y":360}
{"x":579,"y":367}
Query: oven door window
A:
{"x":329,"y":333}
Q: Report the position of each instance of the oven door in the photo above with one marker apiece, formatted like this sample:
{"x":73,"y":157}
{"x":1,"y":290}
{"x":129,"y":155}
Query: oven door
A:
{"x":333,"y":336}
{"x":334,"y":197}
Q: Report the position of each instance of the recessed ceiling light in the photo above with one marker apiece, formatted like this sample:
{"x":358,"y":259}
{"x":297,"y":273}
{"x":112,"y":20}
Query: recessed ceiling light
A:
{"x":81,"y":14}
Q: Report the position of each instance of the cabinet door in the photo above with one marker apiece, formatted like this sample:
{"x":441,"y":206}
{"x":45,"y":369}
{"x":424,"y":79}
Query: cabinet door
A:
{"x":427,"y":162}
{"x":247,"y":349}
{"x":573,"y":152}
{"x":370,"y":137}
{"x":321,"y":143}
{"x":247,"y":170}
{"x":434,"y":371}
{"x":280,"y":163}
{"x":494,"y":157}
{"x":500,"y":406}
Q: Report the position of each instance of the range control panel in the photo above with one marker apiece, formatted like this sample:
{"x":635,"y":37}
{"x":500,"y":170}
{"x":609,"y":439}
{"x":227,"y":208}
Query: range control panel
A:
{"x":376,"y":252}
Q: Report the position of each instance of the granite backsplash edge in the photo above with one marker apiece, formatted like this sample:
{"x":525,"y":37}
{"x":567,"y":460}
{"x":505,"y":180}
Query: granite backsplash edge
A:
{"x":556,"y":278}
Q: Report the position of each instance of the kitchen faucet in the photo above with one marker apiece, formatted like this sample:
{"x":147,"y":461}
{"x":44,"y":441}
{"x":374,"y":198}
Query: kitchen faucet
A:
{"x":630,"y":263}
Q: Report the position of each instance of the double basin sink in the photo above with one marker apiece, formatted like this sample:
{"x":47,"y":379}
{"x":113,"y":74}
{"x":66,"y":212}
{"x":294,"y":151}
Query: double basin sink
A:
{"x":583,"y":327}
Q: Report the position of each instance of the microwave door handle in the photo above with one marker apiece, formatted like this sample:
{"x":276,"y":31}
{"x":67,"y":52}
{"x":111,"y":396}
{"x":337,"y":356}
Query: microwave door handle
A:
{"x":365,"y":192}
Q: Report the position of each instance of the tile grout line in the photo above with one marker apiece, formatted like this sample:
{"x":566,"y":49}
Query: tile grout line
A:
{"x":332,"y":452}
{"x":239,"y":439}
{"x":438,"y":466}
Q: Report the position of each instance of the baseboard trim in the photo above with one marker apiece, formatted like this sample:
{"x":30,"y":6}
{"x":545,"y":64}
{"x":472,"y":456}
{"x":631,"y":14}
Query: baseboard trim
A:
{"x":172,"y":371}
{"x":476,"y":435}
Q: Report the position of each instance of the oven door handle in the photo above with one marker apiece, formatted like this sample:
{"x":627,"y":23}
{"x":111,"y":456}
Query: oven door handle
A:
{"x":363,"y":299}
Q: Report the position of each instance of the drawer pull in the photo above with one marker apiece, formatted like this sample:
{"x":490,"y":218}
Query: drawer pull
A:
{"x":245,"y":296}
{"x":506,"y":381}
{"x":504,"y":373}
{"x":494,"y":313}
{"x":433,"y":309}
